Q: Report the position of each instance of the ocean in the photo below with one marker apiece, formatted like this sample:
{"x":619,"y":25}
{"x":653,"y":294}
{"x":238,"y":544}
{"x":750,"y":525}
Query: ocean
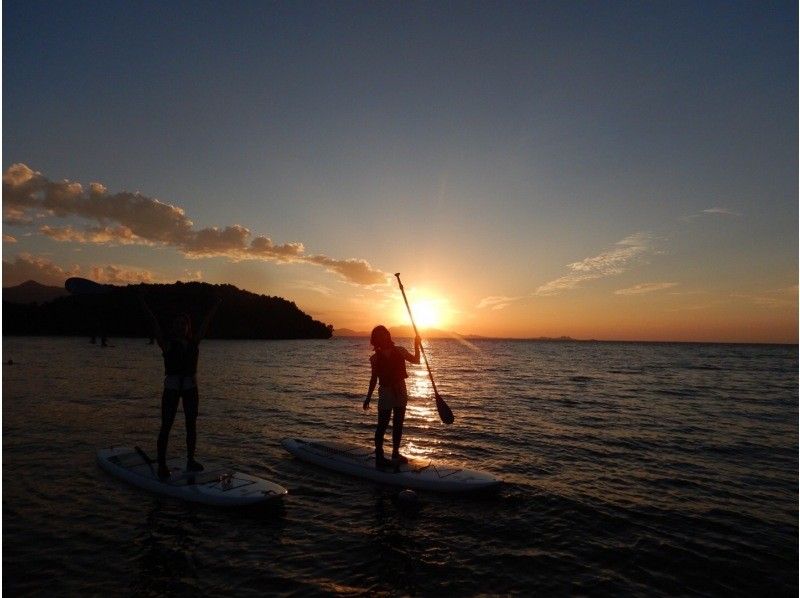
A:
{"x":629,"y":469}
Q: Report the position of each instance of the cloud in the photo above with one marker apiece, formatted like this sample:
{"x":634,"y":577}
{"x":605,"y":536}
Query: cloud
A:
{"x":309,"y":285}
{"x":646,"y":287}
{"x":99,"y":234}
{"x":26,"y":267}
{"x":496,"y":302}
{"x":353,"y":270}
{"x":192,"y":275}
{"x":721,"y":212}
{"x":774,"y":298}
{"x":112,"y":274}
{"x":615,"y":261}
{"x":133,"y":218}
{"x":15,"y":217}
{"x":9,"y":239}
{"x":724,"y":212}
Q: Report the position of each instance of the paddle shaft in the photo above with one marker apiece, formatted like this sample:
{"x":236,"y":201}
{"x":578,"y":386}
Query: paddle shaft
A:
{"x":413,"y":324}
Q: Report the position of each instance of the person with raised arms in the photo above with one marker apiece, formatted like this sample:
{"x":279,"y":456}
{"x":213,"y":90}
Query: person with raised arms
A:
{"x":181,"y":352}
{"x":388,"y":364}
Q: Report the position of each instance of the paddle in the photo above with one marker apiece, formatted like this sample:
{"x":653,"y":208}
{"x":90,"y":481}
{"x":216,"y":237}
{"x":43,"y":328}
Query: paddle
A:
{"x":445,"y":414}
{"x":147,"y":459}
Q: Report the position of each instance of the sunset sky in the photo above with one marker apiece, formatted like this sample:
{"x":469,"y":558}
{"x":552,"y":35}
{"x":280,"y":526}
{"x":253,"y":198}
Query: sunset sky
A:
{"x":610,"y":170}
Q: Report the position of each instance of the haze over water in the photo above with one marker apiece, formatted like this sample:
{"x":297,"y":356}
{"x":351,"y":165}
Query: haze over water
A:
{"x":630,"y":469}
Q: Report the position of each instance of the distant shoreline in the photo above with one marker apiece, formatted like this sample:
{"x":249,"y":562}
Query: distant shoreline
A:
{"x":442,"y":335}
{"x":584,"y":341}
{"x":440,"y":338}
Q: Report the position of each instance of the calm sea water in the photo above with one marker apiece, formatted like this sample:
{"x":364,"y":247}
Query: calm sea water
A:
{"x":630,"y":470}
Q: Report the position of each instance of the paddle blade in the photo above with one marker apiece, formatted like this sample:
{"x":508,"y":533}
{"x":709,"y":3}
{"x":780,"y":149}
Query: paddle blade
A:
{"x":445,"y":413}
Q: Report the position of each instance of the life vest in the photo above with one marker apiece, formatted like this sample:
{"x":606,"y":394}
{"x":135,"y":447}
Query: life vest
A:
{"x":180,"y":358}
{"x":391,"y":369}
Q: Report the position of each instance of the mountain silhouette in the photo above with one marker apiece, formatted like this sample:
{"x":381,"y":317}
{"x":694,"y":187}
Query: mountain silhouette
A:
{"x":32,"y":292}
{"x":241,"y":315}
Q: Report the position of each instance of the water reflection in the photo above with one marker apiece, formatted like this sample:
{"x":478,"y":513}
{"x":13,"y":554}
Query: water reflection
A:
{"x":166,"y":548}
{"x":396,"y":551}
{"x":421,"y":406}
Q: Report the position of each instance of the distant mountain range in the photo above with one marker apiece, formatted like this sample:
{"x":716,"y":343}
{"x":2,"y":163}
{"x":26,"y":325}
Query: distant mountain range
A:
{"x":408,"y":332}
{"x":405,"y":332}
{"x":32,"y":292}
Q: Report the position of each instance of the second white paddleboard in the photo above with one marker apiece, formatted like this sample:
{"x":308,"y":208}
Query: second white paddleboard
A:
{"x":360,"y":461}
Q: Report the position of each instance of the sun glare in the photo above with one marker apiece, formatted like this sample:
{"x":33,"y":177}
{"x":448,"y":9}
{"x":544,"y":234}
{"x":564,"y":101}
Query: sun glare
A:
{"x":428,"y":312}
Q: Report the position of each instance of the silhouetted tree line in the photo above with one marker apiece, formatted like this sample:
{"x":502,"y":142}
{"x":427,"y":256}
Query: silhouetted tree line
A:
{"x":241,"y":315}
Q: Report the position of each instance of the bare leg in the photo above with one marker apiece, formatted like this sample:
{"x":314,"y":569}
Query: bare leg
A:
{"x":191,"y":403}
{"x":383,"y":422}
{"x":397,"y":429}
{"x":169,"y":407}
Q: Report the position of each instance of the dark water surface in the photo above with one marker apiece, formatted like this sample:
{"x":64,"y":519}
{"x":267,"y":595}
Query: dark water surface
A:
{"x":630,"y":469}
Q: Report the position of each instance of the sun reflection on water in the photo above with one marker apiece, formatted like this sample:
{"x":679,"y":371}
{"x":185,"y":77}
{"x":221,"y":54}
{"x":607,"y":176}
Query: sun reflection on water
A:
{"x":420,"y":405}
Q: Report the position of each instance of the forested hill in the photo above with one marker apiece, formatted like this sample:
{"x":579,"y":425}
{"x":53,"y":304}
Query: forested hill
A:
{"x":241,"y":315}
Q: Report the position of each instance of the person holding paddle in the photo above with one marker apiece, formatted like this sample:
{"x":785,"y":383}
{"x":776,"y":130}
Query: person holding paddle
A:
{"x":388,"y":364}
{"x":180,"y":351}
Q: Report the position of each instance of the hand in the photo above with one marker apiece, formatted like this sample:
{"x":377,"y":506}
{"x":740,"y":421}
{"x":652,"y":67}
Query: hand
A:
{"x":366,"y":403}
{"x":418,"y":341}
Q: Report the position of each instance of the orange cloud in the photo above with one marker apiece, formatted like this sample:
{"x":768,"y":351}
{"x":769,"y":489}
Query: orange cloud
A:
{"x":26,"y":267}
{"x":113,"y":274}
{"x":646,"y":287}
{"x":99,"y":234}
{"x":134,"y":218}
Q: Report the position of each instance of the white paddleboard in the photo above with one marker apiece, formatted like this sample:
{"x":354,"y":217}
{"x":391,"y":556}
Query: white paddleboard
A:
{"x":219,"y":487}
{"x":360,"y":461}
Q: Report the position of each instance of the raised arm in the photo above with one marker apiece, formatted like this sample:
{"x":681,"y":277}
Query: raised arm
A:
{"x":154,"y":326}
{"x":201,"y":334}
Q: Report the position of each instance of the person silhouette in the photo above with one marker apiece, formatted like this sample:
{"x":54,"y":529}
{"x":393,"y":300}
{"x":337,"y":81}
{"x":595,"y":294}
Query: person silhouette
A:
{"x":388,"y":364}
{"x":180,"y":351}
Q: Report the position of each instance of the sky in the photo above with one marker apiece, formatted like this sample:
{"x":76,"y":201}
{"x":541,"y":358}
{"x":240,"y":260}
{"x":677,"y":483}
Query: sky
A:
{"x":608,"y":170}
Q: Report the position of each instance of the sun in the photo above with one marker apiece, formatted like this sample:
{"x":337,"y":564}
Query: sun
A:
{"x":426,"y":313}
{"x":430,"y":311}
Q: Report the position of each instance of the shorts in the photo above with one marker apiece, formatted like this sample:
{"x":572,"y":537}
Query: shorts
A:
{"x":390,"y":397}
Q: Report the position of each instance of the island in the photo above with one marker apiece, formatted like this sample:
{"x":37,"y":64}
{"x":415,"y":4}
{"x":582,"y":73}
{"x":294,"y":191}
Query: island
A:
{"x":241,"y":315}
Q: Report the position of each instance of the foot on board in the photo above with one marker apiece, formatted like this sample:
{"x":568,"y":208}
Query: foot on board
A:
{"x":382,"y":462}
{"x":163,"y":471}
{"x":192,"y":465}
{"x":398,"y":458}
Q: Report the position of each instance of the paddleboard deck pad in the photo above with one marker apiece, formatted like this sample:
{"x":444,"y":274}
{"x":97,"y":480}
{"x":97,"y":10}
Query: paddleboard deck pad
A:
{"x":219,"y":487}
{"x":360,"y":462}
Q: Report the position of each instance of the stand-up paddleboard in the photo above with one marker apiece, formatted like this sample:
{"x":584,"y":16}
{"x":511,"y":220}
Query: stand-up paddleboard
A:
{"x":84,"y":286}
{"x":360,"y":461}
{"x":219,"y":487}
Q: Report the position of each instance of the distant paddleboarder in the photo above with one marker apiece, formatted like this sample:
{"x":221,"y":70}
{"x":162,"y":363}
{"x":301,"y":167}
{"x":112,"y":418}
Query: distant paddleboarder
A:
{"x":180,"y":351}
{"x":389,"y":369}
